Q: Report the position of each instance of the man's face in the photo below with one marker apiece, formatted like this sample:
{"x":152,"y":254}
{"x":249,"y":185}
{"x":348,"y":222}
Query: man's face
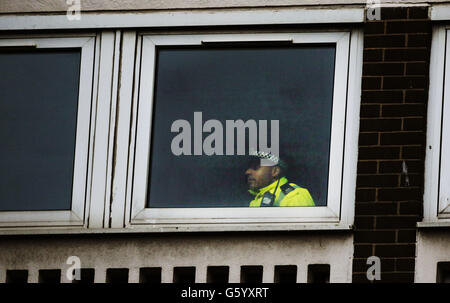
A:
{"x":259,"y":176}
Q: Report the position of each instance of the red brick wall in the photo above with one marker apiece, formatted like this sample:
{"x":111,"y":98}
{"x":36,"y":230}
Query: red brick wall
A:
{"x":392,"y":130}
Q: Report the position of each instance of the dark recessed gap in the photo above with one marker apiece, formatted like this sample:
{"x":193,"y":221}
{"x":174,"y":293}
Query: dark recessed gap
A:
{"x":150,"y":275}
{"x":184,"y":275}
{"x":117,"y":275}
{"x":16,"y":276}
{"x":86,"y":276}
{"x":251,"y":274}
{"x":285,"y":274}
{"x":217,"y":274}
{"x":319,"y":273}
{"x":49,"y":276}
{"x":443,"y":272}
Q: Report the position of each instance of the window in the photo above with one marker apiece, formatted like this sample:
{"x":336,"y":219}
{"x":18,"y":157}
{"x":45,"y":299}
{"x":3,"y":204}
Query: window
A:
{"x":220,"y":86}
{"x":308,"y":82}
{"x":443,"y":272}
{"x":111,"y":169}
{"x":45,"y":108}
{"x":437,"y":163}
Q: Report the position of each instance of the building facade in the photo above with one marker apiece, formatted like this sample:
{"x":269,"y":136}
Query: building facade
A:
{"x":387,"y":212}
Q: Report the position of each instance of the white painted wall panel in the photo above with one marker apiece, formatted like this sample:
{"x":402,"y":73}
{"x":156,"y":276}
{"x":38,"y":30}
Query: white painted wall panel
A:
{"x":433,"y":246}
{"x":202,"y":250}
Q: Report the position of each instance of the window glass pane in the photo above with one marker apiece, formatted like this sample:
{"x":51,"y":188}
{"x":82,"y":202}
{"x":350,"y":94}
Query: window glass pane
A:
{"x":38,"y":110}
{"x":291,"y":84}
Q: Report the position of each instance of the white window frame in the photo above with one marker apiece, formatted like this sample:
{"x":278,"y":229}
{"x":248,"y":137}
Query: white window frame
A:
{"x":79,"y":208}
{"x":343,"y":149}
{"x":437,"y":164}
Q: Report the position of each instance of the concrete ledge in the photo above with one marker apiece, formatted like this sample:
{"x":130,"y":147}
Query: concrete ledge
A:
{"x":440,"y":12}
{"x":433,"y":224}
{"x":176,"y":228}
{"x":210,"y":17}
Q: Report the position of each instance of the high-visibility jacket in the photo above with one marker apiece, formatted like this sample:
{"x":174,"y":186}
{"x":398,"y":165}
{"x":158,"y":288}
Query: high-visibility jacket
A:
{"x":287,"y":194}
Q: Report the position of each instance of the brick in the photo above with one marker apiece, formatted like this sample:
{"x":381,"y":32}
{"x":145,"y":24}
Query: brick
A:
{"x":406,"y":54}
{"x":374,"y":236}
{"x":396,"y":277}
{"x":374,"y":27}
{"x":368,"y":139}
{"x":387,"y":167}
{"x":364,"y":222}
{"x":364,"y":195}
{"x":416,"y":96}
{"x":360,"y":278}
{"x":419,"y":40}
{"x":405,"y":264}
{"x":377,"y":181}
{"x":362,"y":250}
{"x":403,"y":110}
{"x":385,"y":152}
{"x":360,"y":265}
{"x":399,"y":27}
{"x":382,"y":69}
{"x":392,"y":13}
{"x":380,"y":125}
{"x":415,"y":180}
{"x":405,"y":82}
{"x":383,"y":96}
{"x":396,"y":222}
{"x":413,"y":152}
{"x":376,"y":208}
{"x":395,"y":250}
{"x":417,"y":68}
{"x":367,"y":167}
{"x":372,"y":55}
{"x":410,"y":124}
{"x":402,"y":138}
{"x":411,"y":208}
{"x":387,"y":264}
{"x":406,"y":236}
{"x":384,"y":41}
{"x":399,"y":194}
{"x":371,"y":82}
{"x":370,"y":111}
{"x":418,"y":12}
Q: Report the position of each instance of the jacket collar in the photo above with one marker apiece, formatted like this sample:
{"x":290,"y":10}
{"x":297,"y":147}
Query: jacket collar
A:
{"x":269,"y":187}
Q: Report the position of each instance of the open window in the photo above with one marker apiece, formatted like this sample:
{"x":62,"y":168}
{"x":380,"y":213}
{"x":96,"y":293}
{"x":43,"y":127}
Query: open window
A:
{"x":45,"y":109}
{"x":220,"y":88}
{"x":437,"y":163}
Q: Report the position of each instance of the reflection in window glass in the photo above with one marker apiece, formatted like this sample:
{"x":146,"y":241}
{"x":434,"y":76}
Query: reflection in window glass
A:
{"x":38,"y":110}
{"x":291,"y":84}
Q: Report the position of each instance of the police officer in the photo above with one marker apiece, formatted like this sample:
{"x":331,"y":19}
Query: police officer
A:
{"x":269,"y":185}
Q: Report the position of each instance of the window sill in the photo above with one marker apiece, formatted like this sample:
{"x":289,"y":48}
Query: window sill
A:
{"x":433,"y":224}
{"x":179,"y":228}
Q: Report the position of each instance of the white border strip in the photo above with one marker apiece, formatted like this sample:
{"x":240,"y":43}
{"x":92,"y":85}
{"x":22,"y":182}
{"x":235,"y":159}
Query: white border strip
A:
{"x":102,"y":116}
{"x":112,"y":126}
{"x":124,"y":107}
{"x":186,"y":18}
{"x":350,"y":161}
{"x":434,"y":119}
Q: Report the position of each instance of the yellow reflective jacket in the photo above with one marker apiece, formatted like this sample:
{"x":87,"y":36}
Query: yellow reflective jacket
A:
{"x":288,"y":194}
